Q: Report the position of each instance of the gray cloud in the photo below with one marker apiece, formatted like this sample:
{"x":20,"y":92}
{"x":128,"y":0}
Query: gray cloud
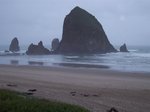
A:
{"x":35,"y":20}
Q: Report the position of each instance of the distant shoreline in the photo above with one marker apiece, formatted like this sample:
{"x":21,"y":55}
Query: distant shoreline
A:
{"x":136,"y":61}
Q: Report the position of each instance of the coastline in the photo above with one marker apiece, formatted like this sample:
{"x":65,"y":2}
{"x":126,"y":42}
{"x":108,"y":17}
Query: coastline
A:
{"x":96,"y":89}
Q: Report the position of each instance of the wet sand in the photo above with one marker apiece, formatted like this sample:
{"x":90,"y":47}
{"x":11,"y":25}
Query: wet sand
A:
{"x":96,"y":89}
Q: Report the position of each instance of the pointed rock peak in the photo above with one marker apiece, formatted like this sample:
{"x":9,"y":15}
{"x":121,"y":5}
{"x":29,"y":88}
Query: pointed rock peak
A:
{"x":40,"y":43}
{"x":123,"y":48}
{"x":83,"y":33}
{"x":15,"y":38}
{"x":14,"y":46}
{"x":78,"y":10}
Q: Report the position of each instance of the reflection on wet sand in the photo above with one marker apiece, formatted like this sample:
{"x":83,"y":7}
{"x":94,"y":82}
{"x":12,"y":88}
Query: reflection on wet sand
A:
{"x":81,"y":65}
{"x":14,"y":62}
{"x":35,"y":63}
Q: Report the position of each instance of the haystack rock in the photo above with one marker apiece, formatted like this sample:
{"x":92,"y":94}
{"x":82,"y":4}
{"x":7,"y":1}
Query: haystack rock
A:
{"x":123,"y":48}
{"x":55,"y":44}
{"x":82,"y":33}
{"x":14,"y":46}
{"x":37,"y":49}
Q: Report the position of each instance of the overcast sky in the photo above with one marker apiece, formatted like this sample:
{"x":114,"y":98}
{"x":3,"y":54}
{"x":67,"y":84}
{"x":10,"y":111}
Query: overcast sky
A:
{"x":124,"y":21}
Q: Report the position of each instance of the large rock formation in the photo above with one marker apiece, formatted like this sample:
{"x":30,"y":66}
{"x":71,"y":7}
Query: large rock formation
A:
{"x":82,"y":33}
{"x":14,"y":46}
{"x":123,"y":48}
{"x":55,"y":44}
{"x":37,"y":49}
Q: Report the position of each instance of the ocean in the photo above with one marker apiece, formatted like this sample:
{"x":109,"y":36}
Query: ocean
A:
{"x":137,"y":60}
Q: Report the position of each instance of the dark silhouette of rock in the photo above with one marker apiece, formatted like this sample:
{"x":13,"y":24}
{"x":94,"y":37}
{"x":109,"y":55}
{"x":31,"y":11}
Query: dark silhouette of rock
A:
{"x":82,"y":33}
{"x":55,"y":44}
{"x":37,"y":49}
{"x":28,"y":93}
{"x":32,"y":90}
{"x":14,"y":46}
{"x":123,"y":48}
{"x":113,"y":110}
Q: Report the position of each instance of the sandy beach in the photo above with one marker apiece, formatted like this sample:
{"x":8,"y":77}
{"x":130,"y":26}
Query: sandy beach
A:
{"x":96,"y":89}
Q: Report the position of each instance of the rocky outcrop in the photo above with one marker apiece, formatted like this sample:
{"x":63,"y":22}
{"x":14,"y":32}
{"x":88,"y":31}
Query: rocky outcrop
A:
{"x":14,"y":46}
{"x":37,"y":49}
{"x":82,"y":33}
{"x":123,"y":48}
{"x":55,"y":44}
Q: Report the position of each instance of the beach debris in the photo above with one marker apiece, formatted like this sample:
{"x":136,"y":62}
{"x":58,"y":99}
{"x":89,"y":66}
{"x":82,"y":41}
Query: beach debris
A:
{"x":95,"y":95}
{"x":73,"y":93}
{"x":32,"y":90}
{"x":28,"y":93}
{"x":85,"y":95}
{"x":113,"y":110}
{"x":12,"y":85}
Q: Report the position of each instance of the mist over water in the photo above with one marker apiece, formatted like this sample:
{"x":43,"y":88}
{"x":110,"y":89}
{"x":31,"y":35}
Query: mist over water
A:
{"x":138,"y":59}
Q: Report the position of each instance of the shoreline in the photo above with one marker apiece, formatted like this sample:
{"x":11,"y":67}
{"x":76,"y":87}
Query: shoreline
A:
{"x":95,"y":89}
{"x":72,"y":65}
{"x":82,"y":67}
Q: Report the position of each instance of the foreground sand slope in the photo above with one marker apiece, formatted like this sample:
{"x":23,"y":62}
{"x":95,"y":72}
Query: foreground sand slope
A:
{"x":95,"y":89}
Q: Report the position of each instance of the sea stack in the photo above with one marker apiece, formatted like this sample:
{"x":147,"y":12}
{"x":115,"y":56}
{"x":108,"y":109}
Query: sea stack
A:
{"x":37,"y":49}
{"x":55,"y":44}
{"x":14,"y":46}
{"x":82,"y":33}
{"x":123,"y":48}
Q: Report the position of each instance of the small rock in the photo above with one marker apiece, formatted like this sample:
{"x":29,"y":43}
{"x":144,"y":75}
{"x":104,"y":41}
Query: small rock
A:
{"x":32,"y":90}
{"x":123,"y":48}
{"x":85,"y":95}
{"x":113,"y":110}
{"x":28,"y":93}
{"x":95,"y":95}
{"x":73,"y":92}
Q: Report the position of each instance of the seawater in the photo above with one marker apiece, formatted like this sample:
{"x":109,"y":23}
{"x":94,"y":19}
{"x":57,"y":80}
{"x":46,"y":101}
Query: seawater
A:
{"x":137,"y":60}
